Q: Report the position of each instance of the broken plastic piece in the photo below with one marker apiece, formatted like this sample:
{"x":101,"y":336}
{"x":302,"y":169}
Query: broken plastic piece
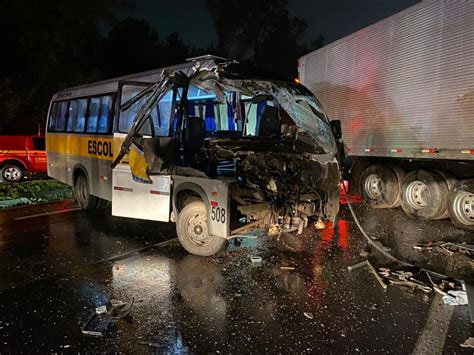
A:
{"x":455,"y":298}
{"x":319,"y":224}
{"x":101,"y":309}
{"x":256,"y":260}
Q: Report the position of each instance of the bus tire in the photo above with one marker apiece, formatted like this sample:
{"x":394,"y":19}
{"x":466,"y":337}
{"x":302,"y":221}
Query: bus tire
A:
{"x":461,"y":204}
{"x":11,"y":172}
{"x":424,"y":194}
{"x":191,"y":227}
{"x":85,"y":200}
{"x":380,"y":186}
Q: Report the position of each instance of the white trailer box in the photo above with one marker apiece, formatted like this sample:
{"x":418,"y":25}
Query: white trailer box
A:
{"x":404,"y":86}
{"x":403,"y":89}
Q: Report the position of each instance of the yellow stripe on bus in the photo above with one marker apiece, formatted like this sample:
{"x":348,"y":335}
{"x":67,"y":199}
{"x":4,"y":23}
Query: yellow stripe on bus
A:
{"x":100,"y":147}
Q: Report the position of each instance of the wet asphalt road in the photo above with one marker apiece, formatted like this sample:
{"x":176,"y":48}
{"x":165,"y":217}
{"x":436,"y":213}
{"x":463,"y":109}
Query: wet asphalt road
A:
{"x":55,"y":269}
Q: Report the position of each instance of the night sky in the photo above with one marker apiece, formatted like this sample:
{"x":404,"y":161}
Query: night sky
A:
{"x":334,"y":19}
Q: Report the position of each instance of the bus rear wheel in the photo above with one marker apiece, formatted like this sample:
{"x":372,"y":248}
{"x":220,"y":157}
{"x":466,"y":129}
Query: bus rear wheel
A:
{"x":85,"y":200}
{"x":193,"y":234}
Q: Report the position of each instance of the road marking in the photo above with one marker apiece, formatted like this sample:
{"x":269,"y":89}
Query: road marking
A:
{"x":46,"y":214}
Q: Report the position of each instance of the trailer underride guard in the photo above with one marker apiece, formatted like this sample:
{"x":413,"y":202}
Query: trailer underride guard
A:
{"x":279,"y":178}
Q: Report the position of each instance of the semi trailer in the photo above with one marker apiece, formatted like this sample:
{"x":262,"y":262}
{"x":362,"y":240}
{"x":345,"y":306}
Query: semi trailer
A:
{"x":403,"y":90}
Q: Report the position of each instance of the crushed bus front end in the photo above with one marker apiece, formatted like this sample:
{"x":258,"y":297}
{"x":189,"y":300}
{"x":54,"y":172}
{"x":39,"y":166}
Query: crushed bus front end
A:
{"x":275,"y":150}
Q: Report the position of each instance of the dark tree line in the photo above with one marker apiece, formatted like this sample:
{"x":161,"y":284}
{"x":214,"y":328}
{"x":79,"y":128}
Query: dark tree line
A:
{"x":52,"y":44}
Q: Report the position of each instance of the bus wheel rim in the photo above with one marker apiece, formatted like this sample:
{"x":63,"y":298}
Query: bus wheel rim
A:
{"x":463,"y":207}
{"x":196,"y":229}
{"x":12,"y":174}
{"x":417,"y":195}
{"x":373,"y":186}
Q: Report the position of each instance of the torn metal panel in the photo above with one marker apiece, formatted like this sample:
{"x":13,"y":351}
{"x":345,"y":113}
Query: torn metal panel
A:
{"x":284,"y":166}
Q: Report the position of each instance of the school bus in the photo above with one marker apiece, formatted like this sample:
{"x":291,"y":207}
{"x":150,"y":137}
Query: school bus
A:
{"x":206,"y":144}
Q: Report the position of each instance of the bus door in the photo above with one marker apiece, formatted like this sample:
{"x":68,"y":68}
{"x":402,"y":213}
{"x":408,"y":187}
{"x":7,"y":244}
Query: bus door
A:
{"x":134,"y":193}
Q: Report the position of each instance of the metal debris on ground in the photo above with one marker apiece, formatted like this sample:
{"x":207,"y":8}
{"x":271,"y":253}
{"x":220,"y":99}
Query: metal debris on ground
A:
{"x":256,"y":260}
{"x":308,"y":315}
{"x":371,"y":269}
{"x":105,"y":315}
{"x":287,"y":268}
{"x":447,"y":248}
{"x":469,"y":343}
{"x":404,"y":278}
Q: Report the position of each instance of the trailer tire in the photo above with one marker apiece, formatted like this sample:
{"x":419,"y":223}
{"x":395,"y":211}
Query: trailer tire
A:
{"x":191,"y":227}
{"x":450,"y":182}
{"x":461,"y":204}
{"x":380,"y":186}
{"x":424,"y":194}
{"x":84,"y":198}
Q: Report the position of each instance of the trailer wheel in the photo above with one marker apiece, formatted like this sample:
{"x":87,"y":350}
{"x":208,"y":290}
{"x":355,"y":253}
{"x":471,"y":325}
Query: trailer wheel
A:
{"x":450,"y":182}
{"x":191,"y":227}
{"x":380,"y":186}
{"x":85,"y":200}
{"x":461,"y":204}
{"x":12,"y":173}
{"x":424,"y":194}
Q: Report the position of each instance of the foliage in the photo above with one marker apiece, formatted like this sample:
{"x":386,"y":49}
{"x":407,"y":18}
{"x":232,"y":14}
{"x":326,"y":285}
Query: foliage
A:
{"x":47,"y":45}
{"x":261,"y":31}
{"x":133,"y":45}
{"x":33,"y":190}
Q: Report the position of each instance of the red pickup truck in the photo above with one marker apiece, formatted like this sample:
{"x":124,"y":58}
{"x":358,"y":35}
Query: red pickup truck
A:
{"x":20,"y":155}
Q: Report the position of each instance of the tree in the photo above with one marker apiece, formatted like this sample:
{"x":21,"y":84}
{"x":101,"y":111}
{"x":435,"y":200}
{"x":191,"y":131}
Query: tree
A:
{"x":258,"y":30}
{"x":46,"y":46}
{"x":131,"y":46}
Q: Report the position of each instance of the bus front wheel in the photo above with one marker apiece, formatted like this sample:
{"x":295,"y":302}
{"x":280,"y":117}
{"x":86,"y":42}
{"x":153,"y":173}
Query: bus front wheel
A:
{"x":191,"y":227}
{"x":85,"y":200}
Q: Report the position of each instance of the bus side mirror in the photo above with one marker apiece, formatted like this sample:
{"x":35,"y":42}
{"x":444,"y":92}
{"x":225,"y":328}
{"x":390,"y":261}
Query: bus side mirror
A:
{"x":336,"y":129}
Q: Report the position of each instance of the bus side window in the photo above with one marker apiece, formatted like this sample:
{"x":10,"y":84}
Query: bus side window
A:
{"x":52,"y":117}
{"x":81,"y":116}
{"x":61,"y":116}
{"x":93,"y":118}
{"x":105,"y":117}
{"x":71,"y":117}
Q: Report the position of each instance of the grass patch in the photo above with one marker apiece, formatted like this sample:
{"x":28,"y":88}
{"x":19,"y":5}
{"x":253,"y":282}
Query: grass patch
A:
{"x":36,"y":190}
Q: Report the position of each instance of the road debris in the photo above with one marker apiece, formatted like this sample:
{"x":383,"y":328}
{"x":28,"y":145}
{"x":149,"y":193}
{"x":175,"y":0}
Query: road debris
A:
{"x":105,"y":316}
{"x":455,"y":298}
{"x":256,"y":260}
{"x":404,"y":278}
{"x":372,"y":270}
{"x":287,"y":268}
{"x":447,"y":248}
{"x":469,"y":343}
{"x":308,"y":315}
